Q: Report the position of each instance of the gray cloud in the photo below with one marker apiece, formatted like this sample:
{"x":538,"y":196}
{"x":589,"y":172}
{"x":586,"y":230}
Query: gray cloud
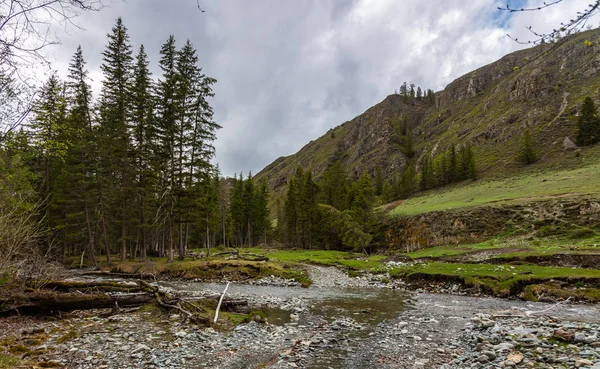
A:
{"x":288,"y":71}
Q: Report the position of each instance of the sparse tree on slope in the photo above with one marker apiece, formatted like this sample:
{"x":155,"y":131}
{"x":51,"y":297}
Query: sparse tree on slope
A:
{"x":527,"y":153}
{"x":588,"y":125}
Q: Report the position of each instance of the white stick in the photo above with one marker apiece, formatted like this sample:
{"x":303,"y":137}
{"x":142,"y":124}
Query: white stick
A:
{"x":529,"y":312}
{"x":81,"y":262}
{"x":220,"y":301}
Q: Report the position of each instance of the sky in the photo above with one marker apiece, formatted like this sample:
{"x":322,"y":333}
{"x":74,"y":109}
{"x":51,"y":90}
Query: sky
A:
{"x":289,"y":70}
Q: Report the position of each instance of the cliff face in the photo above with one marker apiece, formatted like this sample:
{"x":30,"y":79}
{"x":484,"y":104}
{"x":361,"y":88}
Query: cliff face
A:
{"x":540,"y":89}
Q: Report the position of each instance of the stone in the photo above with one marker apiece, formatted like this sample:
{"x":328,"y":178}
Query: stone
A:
{"x":504,"y":347}
{"x":568,"y":144}
{"x":516,"y":357}
{"x":580,"y":337}
{"x":483,"y":359}
{"x":563,"y":335}
{"x":489,"y":354}
{"x":140,"y":347}
{"x":583,"y":362}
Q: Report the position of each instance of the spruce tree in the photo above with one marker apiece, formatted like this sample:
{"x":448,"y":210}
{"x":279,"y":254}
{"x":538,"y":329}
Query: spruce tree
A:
{"x":78,"y":188}
{"x":379,"y":181}
{"x":51,"y":144}
{"x":261,"y":221}
{"x":144,"y":140}
{"x":426,"y":180}
{"x":310,"y":212}
{"x":291,"y":213}
{"x":334,"y":186}
{"x":408,"y":182}
{"x":167,"y":124}
{"x":237,"y":209}
{"x":588,"y":125}
{"x":115,"y":142}
{"x":527,"y":154}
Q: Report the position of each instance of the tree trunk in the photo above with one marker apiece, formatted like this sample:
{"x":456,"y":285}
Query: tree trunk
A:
{"x":90,"y":237}
{"x":104,"y":232}
{"x":170,"y":240}
{"x":48,"y":303}
{"x":180,"y":241}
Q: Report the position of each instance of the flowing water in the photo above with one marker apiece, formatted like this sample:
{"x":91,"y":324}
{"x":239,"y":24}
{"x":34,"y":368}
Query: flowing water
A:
{"x":361,"y":327}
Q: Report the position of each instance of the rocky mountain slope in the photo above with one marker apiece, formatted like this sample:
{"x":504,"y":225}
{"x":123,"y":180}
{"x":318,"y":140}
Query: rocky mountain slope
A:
{"x":540,"y":89}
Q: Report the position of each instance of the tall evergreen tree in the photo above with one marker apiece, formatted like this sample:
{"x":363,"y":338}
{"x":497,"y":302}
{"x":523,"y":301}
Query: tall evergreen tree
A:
{"x":77,"y":179}
{"x":167,"y":123}
{"x":144,"y":141}
{"x":291,"y":213}
{"x":334,"y":186}
{"x":51,"y":144}
{"x":115,"y":143}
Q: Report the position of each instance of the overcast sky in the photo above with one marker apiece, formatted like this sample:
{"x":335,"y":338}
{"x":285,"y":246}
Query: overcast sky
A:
{"x":288,"y":70}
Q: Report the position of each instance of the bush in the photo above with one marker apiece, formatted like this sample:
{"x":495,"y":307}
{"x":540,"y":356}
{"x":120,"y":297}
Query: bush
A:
{"x":546,"y":231}
{"x":582,"y":233}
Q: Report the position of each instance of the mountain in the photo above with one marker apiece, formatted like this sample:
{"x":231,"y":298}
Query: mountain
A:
{"x":540,"y":89}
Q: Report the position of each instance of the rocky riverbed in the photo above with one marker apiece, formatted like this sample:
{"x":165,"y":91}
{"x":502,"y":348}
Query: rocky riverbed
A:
{"x":339,"y":322}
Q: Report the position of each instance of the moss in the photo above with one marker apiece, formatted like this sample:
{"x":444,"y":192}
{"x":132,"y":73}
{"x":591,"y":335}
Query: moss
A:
{"x":70,"y":335}
{"x":8,"y":361}
{"x":20,"y":350}
{"x":582,"y":233}
{"x":50,"y":364}
{"x":535,"y":291}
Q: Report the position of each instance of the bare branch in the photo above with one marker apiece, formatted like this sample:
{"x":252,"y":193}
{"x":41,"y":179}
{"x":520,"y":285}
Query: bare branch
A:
{"x":566,"y":28}
{"x":25,"y":30}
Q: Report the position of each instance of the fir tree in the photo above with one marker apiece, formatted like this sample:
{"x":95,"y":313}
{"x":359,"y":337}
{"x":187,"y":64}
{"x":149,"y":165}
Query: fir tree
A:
{"x":588,"y":125}
{"x":527,"y":153}
{"x":452,"y":168}
{"x":379,"y":181}
{"x":144,"y":140}
{"x":334,"y":186}
{"x":78,"y":188}
{"x":291,"y":213}
{"x":426,"y":181}
{"x":408,"y":182}
{"x":51,"y":144}
{"x":115,"y":143}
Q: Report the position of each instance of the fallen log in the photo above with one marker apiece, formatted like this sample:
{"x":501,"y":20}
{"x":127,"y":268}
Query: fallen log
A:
{"x":93,"y":286}
{"x":48,"y":302}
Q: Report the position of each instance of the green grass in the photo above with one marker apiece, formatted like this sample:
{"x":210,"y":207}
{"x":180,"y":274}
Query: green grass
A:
{"x":580,"y":182}
{"x":209,"y":269}
{"x":498,"y":278}
{"x":452,"y":250}
{"x":7,"y":361}
{"x":354,"y":261}
{"x":533,"y":246}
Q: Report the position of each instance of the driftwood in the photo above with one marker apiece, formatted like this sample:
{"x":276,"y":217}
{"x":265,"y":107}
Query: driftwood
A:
{"x":96,"y":286}
{"x":220,"y":302}
{"x":47,"y":302}
{"x":67,"y":296}
{"x":246,"y":256}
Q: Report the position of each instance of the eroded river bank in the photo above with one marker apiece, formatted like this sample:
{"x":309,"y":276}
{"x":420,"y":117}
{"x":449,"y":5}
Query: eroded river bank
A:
{"x":336,"y":323}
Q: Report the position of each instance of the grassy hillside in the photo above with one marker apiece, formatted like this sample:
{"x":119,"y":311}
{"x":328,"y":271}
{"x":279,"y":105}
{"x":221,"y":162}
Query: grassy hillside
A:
{"x":529,"y":186}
